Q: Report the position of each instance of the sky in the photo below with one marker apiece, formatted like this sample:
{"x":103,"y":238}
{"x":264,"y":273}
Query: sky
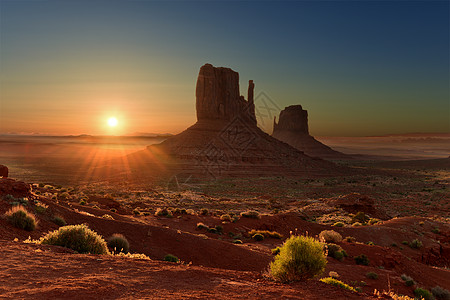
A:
{"x":359,"y":67}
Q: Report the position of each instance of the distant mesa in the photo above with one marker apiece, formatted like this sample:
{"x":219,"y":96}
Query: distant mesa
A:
{"x":292,"y":128}
{"x":225,"y":140}
{"x":3,"y":171}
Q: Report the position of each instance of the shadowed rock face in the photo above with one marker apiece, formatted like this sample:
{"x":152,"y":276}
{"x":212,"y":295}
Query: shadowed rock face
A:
{"x":292,"y":128}
{"x":218,"y":96}
{"x":292,"y":118}
{"x":225,"y":140}
{"x":3,"y":171}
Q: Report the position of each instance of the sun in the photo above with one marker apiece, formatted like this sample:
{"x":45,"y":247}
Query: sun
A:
{"x":112,"y":122}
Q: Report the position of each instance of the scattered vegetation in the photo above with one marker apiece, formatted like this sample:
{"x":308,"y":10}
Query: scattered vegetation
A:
{"x":338,"y":283}
{"x":118,"y":243}
{"x":440,"y":293}
{"x":201,"y":226}
{"x":336,"y":251}
{"x":300,"y":258}
{"x":360,"y":217}
{"x":237,"y":241}
{"x":266,"y":233}
{"x":416,"y":244}
{"x":338,"y":224}
{"x":408,"y":280}
{"x":362,"y":260}
{"x":423,"y":294}
{"x":250,"y":214}
{"x":372,"y":275}
{"x":58,"y":220}
{"x":333,"y":274}
{"x":171,"y":258}
{"x":330,"y":236}
{"x":19,"y":217}
{"x":76,"y":237}
{"x":275,"y":251}
{"x":350,"y":239}
{"x":258,"y":237}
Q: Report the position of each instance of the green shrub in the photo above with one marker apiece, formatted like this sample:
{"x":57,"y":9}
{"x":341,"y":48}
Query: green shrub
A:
{"x":423,"y":294}
{"x":204,"y":211}
{"x":219,"y":229}
{"x":258,"y":237}
{"x":82,"y":202}
{"x":171,"y":258}
{"x":405,"y":243}
{"x":362,"y":260}
{"x":266,"y":233}
{"x":335,"y":251}
{"x":76,"y":237}
{"x":136,"y":212}
{"x":440,"y":293}
{"x":370,"y":243}
{"x":415,"y":244}
{"x":275,"y":251}
{"x":300,"y":258}
{"x":118,"y":243}
{"x":212,"y":230}
{"x":226,"y":217}
{"x":250,"y":214}
{"x":330,"y":236}
{"x":237,"y":241}
{"x":373,"y":221}
{"x":436,"y":230}
{"x":58,"y":220}
{"x":408,"y":280}
{"x":163,"y":212}
{"x":372,"y":275}
{"x":356,"y":224}
{"x":350,"y":239}
{"x":19,"y":217}
{"x":201,"y":226}
{"x":338,"y":283}
{"x":360,"y":217}
{"x":338,"y":224}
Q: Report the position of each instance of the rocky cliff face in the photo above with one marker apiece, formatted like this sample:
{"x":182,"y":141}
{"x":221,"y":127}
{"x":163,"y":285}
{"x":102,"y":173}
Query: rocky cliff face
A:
{"x":218,"y":96}
{"x":225,"y":140}
{"x":293,"y":118}
{"x":292,"y":128}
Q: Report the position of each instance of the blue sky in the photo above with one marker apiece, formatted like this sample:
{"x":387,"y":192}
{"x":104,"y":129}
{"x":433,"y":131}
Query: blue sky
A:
{"x":359,"y":68}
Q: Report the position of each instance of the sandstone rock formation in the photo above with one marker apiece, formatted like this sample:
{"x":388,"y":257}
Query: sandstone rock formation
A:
{"x":292,"y":128}
{"x":3,"y":171}
{"x":225,"y":140}
{"x":15,"y":188}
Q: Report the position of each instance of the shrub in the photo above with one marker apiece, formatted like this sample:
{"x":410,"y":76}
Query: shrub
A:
{"x":212,"y":230}
{"x":258,"y":237}
{"x":372,"y":275}
{"x":118,"y":243}
{"x":59,"y":221}
{"x":338,"y":283}
{"x":370,"y":243}
{"x":350,"y":239}
{"x":19,"y":217}
{"x":338,"y":224}
{"x":136,"y":212}
{"x":423,"y":294}
{"x":266,"y":233}
{"x":415,"y":244}
{"x":162,"y":212}
{"x":201,"y":226}
{"x":335,"y":251}
{"x":362,"y":260}
{"x":250,"y":214}
{"x":219,"y":229}
{"x":275,"y":251}
{"x":408,"y":280}
{"x":405,"y":243}
{"x":300,"y":258}
{"x":82,"y":202}
{"x":226,"y":217}
{"x":204,"y":211}
{"x":373,"y":221}
{"x":76,"y":237}
{"x":333,"y":274}
{"x":360,"y":217}
{"x":330,"y":236}
{"x":440,"y":293}
{"x":171,"y":258}
{"x":356,"y":224}
{"x":435,"y":230}
{"x":237,"y":241}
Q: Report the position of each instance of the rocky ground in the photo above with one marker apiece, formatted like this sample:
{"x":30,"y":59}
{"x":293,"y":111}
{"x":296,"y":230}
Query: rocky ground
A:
{"x":212,"y":266}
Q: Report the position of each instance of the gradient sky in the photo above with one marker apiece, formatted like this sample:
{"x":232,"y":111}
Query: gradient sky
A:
{"x":359,"y":68}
